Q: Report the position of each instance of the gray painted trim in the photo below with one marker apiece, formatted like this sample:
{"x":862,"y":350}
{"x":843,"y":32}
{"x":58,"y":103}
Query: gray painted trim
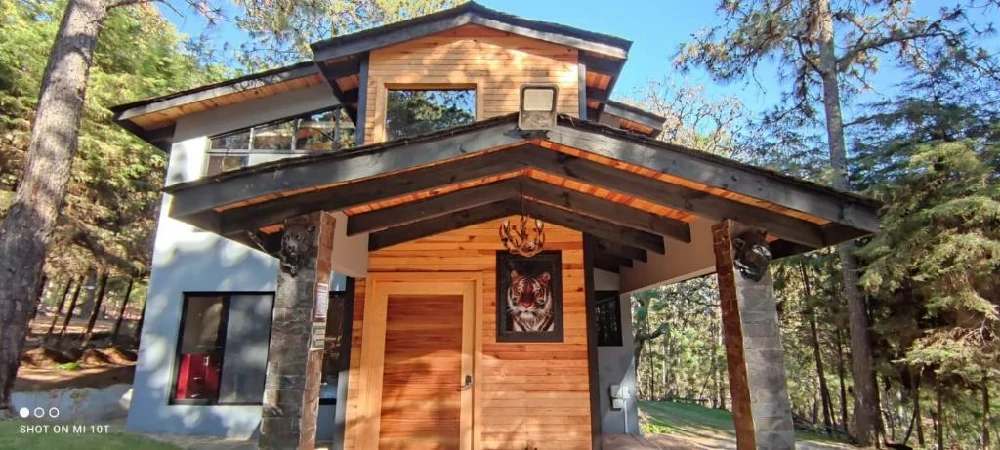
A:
{"x":633,"y":114}
{"x":593,"y":369}
{"x":581,"y":85}
{"x":360,"y":116}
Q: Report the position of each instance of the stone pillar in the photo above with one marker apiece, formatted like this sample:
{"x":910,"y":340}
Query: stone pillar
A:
{"x":761,"y":409}
{"x":295,"y":353}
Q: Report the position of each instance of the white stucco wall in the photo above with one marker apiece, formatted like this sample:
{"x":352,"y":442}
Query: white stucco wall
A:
{"x":616,"y":365}
{"x":187,"y":259}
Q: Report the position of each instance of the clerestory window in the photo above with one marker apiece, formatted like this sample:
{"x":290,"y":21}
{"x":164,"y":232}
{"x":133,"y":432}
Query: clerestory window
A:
{"x":324,"y":130}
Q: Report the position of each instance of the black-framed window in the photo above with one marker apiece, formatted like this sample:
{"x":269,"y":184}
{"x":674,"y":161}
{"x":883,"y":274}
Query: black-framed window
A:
{"x":411,"y":112}
{"x":222,"y":348}
{"x":324,"y":130}
{"x":336,"y":349}
{"x":609,"y":319}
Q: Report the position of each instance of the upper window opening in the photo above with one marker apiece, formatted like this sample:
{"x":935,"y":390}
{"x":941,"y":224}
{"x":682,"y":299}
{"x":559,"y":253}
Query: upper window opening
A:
{"x":324,"y":130}
{"x":419,"y":111}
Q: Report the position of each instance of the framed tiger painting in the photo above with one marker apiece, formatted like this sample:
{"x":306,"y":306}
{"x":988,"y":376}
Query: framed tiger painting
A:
{"x":529,"y":297}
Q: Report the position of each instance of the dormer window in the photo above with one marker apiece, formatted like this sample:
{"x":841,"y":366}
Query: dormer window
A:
{"x":324,"y":130}
{"x":411,"y":112}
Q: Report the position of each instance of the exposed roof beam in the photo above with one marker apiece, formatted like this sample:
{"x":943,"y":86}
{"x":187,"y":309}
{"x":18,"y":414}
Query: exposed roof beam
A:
{"x":367,"y":191}
{"x":347,"y":166}
{"x":606,"y":209}
{"x":440,"y":224}
{"x":597,"y":227}
{"x":673,"y":195}
{"x":625,"y":251}
{"x":715,"y":171}
{"x":437,"y":205}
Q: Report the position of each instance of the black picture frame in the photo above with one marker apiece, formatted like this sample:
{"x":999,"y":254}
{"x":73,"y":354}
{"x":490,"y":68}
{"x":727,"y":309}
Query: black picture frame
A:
{"x":534,"y":270}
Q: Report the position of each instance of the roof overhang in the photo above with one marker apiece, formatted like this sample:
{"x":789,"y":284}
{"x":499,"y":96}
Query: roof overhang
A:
{"x":631,"y":191}
{"x":339,"y":63}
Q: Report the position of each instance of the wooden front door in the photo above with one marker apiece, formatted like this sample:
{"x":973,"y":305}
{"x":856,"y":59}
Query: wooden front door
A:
{"x":417,"y":363}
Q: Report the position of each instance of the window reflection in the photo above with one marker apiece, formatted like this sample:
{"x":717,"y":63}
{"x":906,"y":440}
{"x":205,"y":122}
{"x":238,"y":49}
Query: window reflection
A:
{"x":327,"y":130}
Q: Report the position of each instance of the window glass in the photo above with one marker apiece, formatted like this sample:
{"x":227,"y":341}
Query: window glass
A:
{"x":248,"y":334}
{"x":327,"y":130}
{"x":218,"y":163}
{"x":333,"y":349}
{"x":201,"y":349}
{"x":609,"y":325}
{"x":239,"y":140}
{"x":276,"y":136}
{"x":413,"y":112}
{"x":223,"y":349}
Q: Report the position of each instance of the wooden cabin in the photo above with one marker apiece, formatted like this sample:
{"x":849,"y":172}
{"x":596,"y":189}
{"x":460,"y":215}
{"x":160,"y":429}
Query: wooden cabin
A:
{"x":425,"y":237}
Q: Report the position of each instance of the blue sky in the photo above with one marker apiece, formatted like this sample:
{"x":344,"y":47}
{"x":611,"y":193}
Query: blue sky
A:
{"x":656,"y":28}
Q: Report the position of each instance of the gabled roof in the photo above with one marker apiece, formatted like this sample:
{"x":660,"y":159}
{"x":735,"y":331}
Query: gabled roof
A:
{"x":339,"y":61}
{"x":669,"y":181}
{"x":607,"y":46}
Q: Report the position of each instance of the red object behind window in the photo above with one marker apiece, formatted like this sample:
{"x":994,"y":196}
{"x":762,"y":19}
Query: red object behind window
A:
{"x":198,"y":377}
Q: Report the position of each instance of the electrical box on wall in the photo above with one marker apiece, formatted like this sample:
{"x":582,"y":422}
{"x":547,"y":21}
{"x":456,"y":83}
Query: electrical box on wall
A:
{"x":618,"y":394}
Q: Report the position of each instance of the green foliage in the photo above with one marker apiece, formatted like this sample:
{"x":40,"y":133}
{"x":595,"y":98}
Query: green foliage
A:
{"x":113,"y":197}
{"x":71,"y":366}
{"x":411,"y":113}
{"x":280,"y":32}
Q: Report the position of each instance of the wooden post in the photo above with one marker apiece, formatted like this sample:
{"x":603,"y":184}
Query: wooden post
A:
{"x":294,"y":367}
{"x":761,"y":408}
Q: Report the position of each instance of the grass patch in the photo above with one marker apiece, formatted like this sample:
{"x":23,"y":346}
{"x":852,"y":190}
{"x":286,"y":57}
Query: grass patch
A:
{"x":71,"y":366}
{"x":695,"y":420}
{"x":13,"y":436}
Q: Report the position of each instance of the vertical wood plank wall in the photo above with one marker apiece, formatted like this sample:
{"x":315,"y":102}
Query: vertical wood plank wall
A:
{"x":496,"y":62}
{"x":528,"y":395}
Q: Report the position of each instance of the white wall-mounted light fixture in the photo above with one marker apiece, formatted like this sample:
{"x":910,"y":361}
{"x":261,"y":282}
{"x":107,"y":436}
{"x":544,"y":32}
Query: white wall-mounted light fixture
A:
{"x":538,"y":107}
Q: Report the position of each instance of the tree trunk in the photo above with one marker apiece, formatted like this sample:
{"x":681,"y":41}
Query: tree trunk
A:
{"x":31,"y":219}
{"x":986,"y":415}
{"x":916,"y":411}
{"x":39,"y":292}
{"x":939,"y":419}
{"x":69,"y":311}
{"x":121,"y":310}
{"x":62,"y":306}
{"x":65,"y":292}
{"x":142,"y":320}
{"x":843,"y":386}
{"x":824,"y":392}
{"x":865,"y":414}
{"x":102,"y":286}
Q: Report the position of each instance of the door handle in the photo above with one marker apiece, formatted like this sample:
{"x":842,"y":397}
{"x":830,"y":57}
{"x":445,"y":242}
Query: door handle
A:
{"x":468,"y":383}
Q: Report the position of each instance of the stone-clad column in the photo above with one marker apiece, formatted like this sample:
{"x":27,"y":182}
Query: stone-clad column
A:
{"x":295,"y":354}
{"x":761,"y":409}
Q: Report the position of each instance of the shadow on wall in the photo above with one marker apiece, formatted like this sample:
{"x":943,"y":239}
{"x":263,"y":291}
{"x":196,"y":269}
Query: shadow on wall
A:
{"x":194,"y":261}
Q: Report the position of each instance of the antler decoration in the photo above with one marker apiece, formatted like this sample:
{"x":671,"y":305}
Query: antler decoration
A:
{"x":515,"y":238}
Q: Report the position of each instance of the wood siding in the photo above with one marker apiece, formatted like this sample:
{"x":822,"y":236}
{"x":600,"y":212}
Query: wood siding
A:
{"x":496,"y":63}
{"x":526,"y":395}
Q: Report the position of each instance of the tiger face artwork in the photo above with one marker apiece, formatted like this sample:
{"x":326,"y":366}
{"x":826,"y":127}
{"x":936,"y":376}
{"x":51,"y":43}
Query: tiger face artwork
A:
{"x":529,"y":302}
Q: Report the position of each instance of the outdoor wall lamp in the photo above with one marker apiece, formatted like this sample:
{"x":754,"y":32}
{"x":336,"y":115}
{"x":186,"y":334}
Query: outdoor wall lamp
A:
{"x":538,"y":107}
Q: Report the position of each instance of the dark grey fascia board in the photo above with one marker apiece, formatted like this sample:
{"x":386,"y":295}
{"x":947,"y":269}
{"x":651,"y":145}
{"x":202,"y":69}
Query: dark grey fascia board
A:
{"x":816,"y":200}
{"x":331,"y":168}
{"x":130,"y":110}
{"x":633,"y":114}
{"x":397,"y":33}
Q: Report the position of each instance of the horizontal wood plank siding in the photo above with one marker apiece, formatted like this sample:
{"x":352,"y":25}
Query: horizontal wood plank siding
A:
{"x":528,"y":394}
{"x":495,"y":62}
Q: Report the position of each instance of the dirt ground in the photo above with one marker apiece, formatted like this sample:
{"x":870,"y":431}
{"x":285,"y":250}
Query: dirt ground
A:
{"x":51,"y":366}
